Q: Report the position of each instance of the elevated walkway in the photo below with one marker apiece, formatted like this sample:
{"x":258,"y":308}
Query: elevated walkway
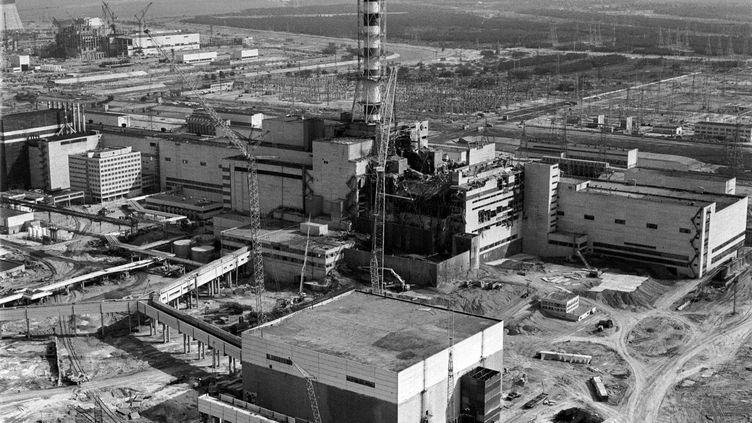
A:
{"x":115,"y":243}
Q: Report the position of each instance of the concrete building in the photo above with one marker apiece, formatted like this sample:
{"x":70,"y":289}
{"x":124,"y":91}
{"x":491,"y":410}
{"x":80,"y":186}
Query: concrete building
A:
{"x":20,"y":62}
{"x":108,"y":118}
{"x":196,"y":57}
{"x":146,"y":143}
{"x":374,"y":359}
{"x":560,"y":302}
{"x":106,"y":174}
{"x":48,"y":158}
{"x":83,"y":38}
{"x":200,"y":122}
{"x":142,"y":44}
{"x":339,"y":169}
{"x":285,"y":249}
{"x":723,"y":131}
{"x":194,"y":209}
{"x":245,"y":54}
{"x":618,"y":157}
{"x":686,"y":180}
{"x":12,"y":221}
{"x":689,"y":232}
{"x":15,"y":130}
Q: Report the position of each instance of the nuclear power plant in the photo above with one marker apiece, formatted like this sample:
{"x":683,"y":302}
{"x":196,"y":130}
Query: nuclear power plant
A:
{"x":213,"y":212}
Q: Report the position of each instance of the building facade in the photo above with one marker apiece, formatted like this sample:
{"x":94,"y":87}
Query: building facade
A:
{"x":723,"y":131}
{"x":48,"y":158}
{"x":106,"y":174}
{"x":141,"y":44}
{"x":687,"y":231}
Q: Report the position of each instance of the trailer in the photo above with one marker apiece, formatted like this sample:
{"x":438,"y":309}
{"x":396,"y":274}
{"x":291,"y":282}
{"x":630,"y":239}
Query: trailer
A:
{"x":600,"y":389}
{"x":535,"y":401}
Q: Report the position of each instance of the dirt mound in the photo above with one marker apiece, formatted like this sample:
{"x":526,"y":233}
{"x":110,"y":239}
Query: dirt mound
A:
{"x":657,"y":336}
{"x":577,"y":415}
{"x":643,"y":297}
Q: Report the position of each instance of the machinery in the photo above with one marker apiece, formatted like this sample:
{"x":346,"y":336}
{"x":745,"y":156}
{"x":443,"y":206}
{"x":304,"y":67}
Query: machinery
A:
{"x":257,"y":259}
{"x":381,"y":147}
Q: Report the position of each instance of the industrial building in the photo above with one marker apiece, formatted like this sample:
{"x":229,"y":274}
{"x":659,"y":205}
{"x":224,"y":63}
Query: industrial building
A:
{"x":12,"y":221}
{"x":376,"y":359}
{"x":84,"y":38}
{"x":724,"y":131}
{"x":290,"y":252}
{"x":106,"y":174}
{"x":48,"y":158}
{"x":245,"y":54}
{"x":688,"y":231}
{"x":141,"y":44}
{"x":617,"y":157}
{"x":15,"y":130}
{"x":195,"y":209}
{"x":196,"y":57}
{"x":686,"y":180}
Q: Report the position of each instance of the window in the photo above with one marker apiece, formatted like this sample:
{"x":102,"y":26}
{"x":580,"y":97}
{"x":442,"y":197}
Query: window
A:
{"x":620,"y":221}
{"x":279,"y":359}
{"x":684,"y":230}
{"x":651,"y":226}
{"x":361,"y":381}
{"x":167,"y":159}
{"x":203,"y":163}
{"x":559,"y":213}
{"x":589,"y":217}
{"x":152,"y":144}
{"x":185,"y":161}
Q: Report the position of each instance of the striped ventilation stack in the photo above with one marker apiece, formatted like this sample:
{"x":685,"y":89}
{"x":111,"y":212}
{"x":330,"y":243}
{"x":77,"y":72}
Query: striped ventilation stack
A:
{"x":10,"y":20}
{"x":371,"y":31}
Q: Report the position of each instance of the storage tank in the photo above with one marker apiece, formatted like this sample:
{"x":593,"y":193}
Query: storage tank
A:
{"x":202,"y":253}
{"x":182,"y":248}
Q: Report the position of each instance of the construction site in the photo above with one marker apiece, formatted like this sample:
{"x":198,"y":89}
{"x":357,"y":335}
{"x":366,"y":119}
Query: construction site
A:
{"x":206,"y":220}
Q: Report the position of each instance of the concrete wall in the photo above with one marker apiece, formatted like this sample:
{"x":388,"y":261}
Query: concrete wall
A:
{"x":693,"y":181}
{"x":541,"y":186}
{"x":423,"y":386}
{"x":415,"y":271}
{"x":48,"y":160}
{"x":337,"y":168}
{"x":279,"y":185}
{"x":666,"y":245}
{"x":195,"y":166}
{"x":727,"y":232}
{"x":293,"y":131}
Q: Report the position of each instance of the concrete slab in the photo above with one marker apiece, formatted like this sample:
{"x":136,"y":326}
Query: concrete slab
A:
{"x":616,"y":282}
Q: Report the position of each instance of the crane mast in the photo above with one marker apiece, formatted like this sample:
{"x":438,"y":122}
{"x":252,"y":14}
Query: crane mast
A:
{"x":253,"y":193}
{"x":311,"y":393}
{"x":379,"y":211}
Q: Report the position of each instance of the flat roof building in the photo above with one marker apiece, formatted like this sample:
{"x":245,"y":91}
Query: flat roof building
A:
{"x":687,"y":231}
{"x":723,"y":131}
{"x":12,"y":221}
{"x":199,"y":209}
{"x":48,"y":158}
{"x":142,"y":44}
{"x":106,"y":174}
{"x":679,"y":179}
{"x":374,"y":359}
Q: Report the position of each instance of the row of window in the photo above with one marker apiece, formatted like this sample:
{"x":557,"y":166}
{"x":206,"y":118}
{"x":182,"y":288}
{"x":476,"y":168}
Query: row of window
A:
{"x":624,"y":222}
{"x":352,"y":379}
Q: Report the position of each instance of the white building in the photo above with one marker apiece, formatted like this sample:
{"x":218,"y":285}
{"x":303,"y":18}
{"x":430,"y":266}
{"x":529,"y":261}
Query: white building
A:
{"x":375,"y":359}
{"x":687,"y":231}
{"x":245,"y":54}
{"x":723,"y":131}
{"x":196,"y":57}
{"x":142,"y":44}
{"x":106,"y":174}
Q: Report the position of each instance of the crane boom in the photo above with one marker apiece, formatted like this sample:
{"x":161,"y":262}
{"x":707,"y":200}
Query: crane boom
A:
{"x":311,"y":393}
{"x":381,"y":147}
{"x":255,"y":208}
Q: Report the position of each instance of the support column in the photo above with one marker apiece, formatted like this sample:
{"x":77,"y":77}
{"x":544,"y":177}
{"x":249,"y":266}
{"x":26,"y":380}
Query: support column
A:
{"x":101,"y":322}
{"x":195,"y":287}
{"x":229,"y":365}
{"x":164,"y":334}
{"x":75,"y":330}
{"x":28,"y":329}
{"x":185,"y":342}
{"x":151,"y":328}
{"x":189,"y":344}
{"x":168,"y":333}
{"x":198,"y":349}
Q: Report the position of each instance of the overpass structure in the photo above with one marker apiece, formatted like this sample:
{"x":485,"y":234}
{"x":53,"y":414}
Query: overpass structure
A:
{"x":48,"y":290}
{"x":157,"y":309}
{"x":115,"y":243}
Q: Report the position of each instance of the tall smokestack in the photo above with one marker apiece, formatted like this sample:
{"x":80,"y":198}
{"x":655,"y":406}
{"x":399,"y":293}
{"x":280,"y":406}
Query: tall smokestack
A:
{"x":10,"y":20}
{"x":371,"y":32}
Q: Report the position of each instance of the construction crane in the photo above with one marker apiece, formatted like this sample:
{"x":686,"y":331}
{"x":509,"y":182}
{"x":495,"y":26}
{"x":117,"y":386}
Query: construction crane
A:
{"x":110,"y":17}
{"x":379,"y":211}
{"x":140,"y":19}
{"x":305,"y":259}
{"x":254,"y":207}
{"x":311,"y":393}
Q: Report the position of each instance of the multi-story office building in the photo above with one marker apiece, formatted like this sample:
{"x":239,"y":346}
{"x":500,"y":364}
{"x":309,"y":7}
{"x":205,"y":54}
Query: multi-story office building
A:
{"x":723,"y":131}
{"x":106,"y":174}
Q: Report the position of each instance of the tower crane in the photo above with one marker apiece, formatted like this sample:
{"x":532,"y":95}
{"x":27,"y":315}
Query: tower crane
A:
{"x":311,"y":393}
{"x":245,"y":148}
{"x":140,"y":17}
{"x":381,"y":147}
